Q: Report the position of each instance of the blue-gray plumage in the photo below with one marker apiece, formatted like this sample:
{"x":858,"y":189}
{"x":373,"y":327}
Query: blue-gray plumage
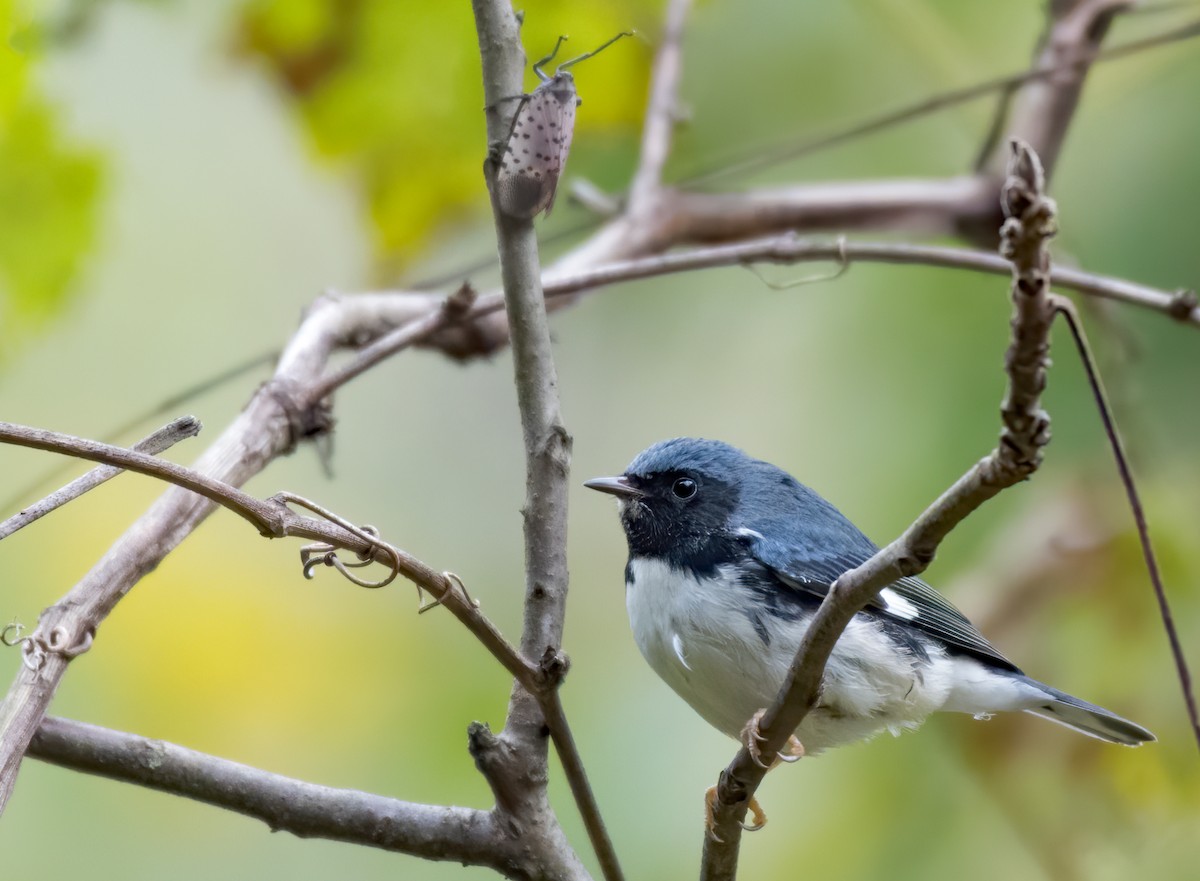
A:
{"x":729,"y":558}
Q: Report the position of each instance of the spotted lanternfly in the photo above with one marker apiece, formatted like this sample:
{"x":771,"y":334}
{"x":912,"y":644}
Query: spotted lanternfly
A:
{"x":533,"y":157}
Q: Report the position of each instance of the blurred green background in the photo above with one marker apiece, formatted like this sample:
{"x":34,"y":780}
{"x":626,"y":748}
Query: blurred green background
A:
{"x":178,"y":180}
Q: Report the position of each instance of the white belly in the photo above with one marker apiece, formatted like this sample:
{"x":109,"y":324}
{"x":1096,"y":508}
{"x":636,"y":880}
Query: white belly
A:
{"x":695,"y":635}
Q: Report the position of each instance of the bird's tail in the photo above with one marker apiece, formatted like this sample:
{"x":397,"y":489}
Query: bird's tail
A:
{"x":1088,"y":718}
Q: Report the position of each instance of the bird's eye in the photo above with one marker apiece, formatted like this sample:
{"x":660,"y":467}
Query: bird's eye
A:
{"x":684,"y":488}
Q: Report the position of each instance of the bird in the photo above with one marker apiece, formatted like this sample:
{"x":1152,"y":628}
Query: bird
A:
{"x":729,"y":558}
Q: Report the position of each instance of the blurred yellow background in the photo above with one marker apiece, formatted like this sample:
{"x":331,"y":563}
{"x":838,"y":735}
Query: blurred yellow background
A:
{"x":178,"y":180}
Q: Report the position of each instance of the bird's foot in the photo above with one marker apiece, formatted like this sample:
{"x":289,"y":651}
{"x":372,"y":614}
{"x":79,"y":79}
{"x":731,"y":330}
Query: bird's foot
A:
{"x":710,"y":801}
{"x":752,"y":737}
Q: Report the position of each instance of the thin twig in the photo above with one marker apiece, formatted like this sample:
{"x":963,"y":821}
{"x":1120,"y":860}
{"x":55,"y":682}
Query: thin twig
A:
{"x":276,"y":418}
{"x":273,"y":519}
{"x":177,"y":401}
{"x":245,"y":506}
{"x":1043,"y":111}
{"x":577,"y":779}
{"x":1025,"y":431}
{"x":785,"y":249}
{"x":931,"y":104}
{"x":401,"y":338}
{"x":1067,"y":310}
{"x":789,"y":248}
{"x":163,"y":439}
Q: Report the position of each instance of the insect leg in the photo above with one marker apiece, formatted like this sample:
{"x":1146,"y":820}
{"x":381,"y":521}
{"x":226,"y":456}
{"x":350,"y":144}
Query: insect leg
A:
{"x":537,"y":67}
{"x":596,"y":51}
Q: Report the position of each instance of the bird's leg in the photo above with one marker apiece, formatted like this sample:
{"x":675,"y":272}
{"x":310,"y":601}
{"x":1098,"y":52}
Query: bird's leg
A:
{"x":710,"y":801}
{"x":752,"y":737}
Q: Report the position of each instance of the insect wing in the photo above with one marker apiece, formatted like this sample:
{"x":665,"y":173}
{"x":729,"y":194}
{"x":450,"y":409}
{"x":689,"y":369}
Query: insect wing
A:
{"x":537,"y":148}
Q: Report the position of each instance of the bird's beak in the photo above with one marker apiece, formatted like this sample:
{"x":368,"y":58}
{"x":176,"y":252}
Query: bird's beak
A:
{"x":616,"y":486}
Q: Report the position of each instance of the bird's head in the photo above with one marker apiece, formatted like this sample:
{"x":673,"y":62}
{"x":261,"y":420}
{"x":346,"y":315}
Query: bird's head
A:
{"x":679,"y":494}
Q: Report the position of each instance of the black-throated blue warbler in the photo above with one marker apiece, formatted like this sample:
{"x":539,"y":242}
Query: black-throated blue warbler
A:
{"x":729,"y":558}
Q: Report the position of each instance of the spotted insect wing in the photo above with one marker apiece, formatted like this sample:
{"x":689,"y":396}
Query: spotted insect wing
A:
{"x":535,"y":153}
{"x":537,"y":148}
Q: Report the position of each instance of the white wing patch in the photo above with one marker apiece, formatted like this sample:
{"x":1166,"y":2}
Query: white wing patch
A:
{"x":677,"y":645}
{"x":537,"y":148}
{"x":747,"y":532}
{"x":898,"y":605}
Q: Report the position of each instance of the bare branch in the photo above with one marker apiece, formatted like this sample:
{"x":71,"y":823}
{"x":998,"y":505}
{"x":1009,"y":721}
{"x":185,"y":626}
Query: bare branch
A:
{"x":1135,"y":506}
{"x":1024,"y":433}
{"x":271,"y":423}
{"x":305,"y":809}
{"x":789,"y":248}
{"x":541,"y":682}
{"x":547,"y":464}
{"x":293,"y":405}
{"x":937,"y":206}
{"x":547,"y":444}
{"x":940,"y":101}
{"x":258,"y":514}
{"x":176,"y":401}
{"x":427,"y":327}
{"x":274,"y":520}
{"x":163,"y":439}
{"x":662,"y":110}
{"x":421,"y":327}
{"x":1043,"y":110}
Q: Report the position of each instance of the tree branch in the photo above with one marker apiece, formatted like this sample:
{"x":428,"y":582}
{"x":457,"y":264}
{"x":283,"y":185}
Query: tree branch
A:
{"x":934,"y":103}
{"x":307,"y":810}
{"x":163,"y":439}
{"x":662,"y":111}
{"x":273,"y":421}
{"x":293,"y":407}
{"x":260,"y":515}
{"x":1025,"y":432}
{"x":789,"y":248}
{"x":274,"y":519}
{"x":428,"y":327}
{"x":547,"y":444}
{"x":1042,"y":111}
{"x":547,"y":465}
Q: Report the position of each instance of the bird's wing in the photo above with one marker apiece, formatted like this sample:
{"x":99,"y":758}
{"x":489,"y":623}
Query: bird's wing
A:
{"x":908,"y":601}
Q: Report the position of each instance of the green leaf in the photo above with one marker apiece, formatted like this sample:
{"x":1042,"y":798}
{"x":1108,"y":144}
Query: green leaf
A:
{"x":49,"y":189}
{"x":392,"y":94}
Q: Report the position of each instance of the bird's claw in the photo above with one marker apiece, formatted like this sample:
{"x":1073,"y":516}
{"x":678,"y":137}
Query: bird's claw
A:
{"x":760,"y":816}
{"x":710,"y":802}
{"x":752,"y":737}
{"x":795,"y":751}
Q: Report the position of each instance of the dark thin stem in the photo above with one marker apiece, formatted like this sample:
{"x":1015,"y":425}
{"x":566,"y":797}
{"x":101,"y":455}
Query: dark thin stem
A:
{"x":1067,"y":310}
{"x":174,"y":402}
{"x":790,"y":248}
{"x":933,"y":104}
{"x":585,"y":799}
{"x":163,"y":439}
{"x":246,"y":506}
{"x":1007,"y":85}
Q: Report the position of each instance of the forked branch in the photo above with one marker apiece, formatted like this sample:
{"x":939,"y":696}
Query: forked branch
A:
{"x":1025,"y":431}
